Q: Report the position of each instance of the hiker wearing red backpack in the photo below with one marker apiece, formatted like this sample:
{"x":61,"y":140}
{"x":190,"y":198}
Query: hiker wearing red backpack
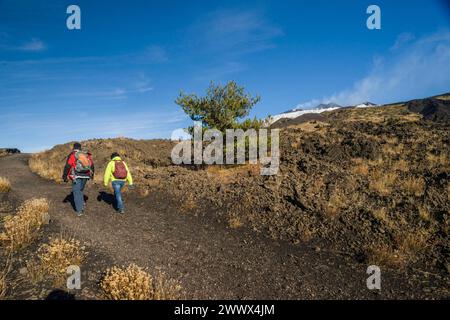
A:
{"x":79,"y":169}
{"x":118,"y":173}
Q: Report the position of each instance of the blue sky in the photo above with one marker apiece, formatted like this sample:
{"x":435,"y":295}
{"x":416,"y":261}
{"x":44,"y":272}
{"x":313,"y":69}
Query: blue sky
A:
{"x":120,"y":74}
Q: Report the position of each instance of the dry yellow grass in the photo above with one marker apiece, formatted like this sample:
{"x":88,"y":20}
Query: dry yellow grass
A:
{"x":384,"y":255}
{"x":380,"y":214}
{"x":393,"y":149}
{"x":22,"y":228}
{"x":415,"y":186}
{"x":165,"y":288}
{"x":44,"y":169}
{"x":335,"y":205}
{"x":408,"y":246}
{"x":5,"y":185}
{"x":401,"y":166}
{"x":3,"y":274}
{"x":235,"y":221}
{"x":312,"y":126}
{"x":424,"y":214}
{"x":55,"y":257}
{"x":437,"y":160}
{"x":443,"y":97}
{"x":382,"y":182}
{"x":2,"y":286}
{"x":318,"y":186}
{"x":135,"y":283}
{"x":376,"y":162}
{"x":189,"y":204}
{"x":411,"y":244}
{"x":228,"y":174}
{"x":361,"y":169}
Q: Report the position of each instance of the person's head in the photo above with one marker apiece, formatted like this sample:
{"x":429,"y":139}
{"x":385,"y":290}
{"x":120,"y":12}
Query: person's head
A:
{"x":114,"y":154}
{"x":77,"y":146}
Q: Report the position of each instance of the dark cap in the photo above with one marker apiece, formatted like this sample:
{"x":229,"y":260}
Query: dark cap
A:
{"x":114,"y":154}
{"x":77,"y":146}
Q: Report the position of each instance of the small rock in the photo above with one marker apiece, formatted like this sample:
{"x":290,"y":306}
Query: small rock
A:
{"x":23,"y":271}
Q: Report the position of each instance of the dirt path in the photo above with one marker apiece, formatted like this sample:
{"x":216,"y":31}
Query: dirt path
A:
{"x":209,"y":259}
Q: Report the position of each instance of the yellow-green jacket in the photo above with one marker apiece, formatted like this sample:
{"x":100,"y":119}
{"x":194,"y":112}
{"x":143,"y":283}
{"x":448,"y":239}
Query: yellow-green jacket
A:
{"x":110,"y":170}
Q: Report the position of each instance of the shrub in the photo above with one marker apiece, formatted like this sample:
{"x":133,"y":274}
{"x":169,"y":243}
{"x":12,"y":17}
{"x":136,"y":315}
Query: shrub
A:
{"x":415,"y":186}
{"x":3,"y":273}
{"x":384,"y":255}
{"x":382,"y":183}
{"x":408,"y":246}
{"x":56,"y":256}
{"x":22,"y":228}
{"x":2,"y":285}
{"x":234,"y":221}
{"x":361,"y":169}
{"x":134,"y":283}
{"x":5,"y":185}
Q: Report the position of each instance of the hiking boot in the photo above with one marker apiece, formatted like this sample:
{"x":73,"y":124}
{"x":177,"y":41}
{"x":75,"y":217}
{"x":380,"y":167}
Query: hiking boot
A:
{"x":121,"y":211}
{"x":80,"y":214}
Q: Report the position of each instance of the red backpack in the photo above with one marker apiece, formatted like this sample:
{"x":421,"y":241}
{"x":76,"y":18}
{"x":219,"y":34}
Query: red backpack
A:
{"x":120,"y":170}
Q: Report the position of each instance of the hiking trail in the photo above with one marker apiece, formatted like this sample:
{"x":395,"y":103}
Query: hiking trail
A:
{"x":210,"y":260}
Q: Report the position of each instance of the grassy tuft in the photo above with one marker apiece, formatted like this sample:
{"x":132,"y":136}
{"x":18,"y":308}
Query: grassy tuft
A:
{"x":41,"y":166}
{"x":335,"y":205}
{"x":135,"y":283}
{"x":56,"y":256}
{"x":5,"y":185}
{"x":2,"y":285}
{"x":3,"y":274}
{"x":383,"y":183}
{"x":415,"y":186}
{"x":23,"y":227}
{"x":234,"y":221}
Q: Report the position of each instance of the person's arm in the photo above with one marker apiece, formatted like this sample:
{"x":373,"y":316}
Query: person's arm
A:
{"x":67,"y":168}
{"x":129,"y":177}
{"x":107,"y":175}
{"x":92,"y":167}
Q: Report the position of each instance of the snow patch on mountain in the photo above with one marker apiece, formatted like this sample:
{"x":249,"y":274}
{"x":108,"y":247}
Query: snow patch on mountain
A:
{"x":297,"y":112}
{"x":366,"y":105}
{"x":294,"y":113}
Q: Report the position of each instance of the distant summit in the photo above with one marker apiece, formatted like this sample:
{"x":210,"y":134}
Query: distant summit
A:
{"x":297,"y":112}
{"x":330,"y":105}
{"x":366,"y":104}
{"x":318,"y":107}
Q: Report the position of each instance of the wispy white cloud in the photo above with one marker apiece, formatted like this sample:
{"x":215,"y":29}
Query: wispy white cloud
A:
{"x":219,"y":71}
{"x":33,"y":45}
{"x":143,"y":84}
{"x":235,"y":31}
{"x":412,"y":68}
{"x":149,"y":55}
{"x":154,"y":53}
{"x":402,"y":40}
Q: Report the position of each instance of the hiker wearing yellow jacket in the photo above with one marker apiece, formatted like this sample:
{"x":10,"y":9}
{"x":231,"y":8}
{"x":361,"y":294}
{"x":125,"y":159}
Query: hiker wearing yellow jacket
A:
{"x":118,"y":173}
